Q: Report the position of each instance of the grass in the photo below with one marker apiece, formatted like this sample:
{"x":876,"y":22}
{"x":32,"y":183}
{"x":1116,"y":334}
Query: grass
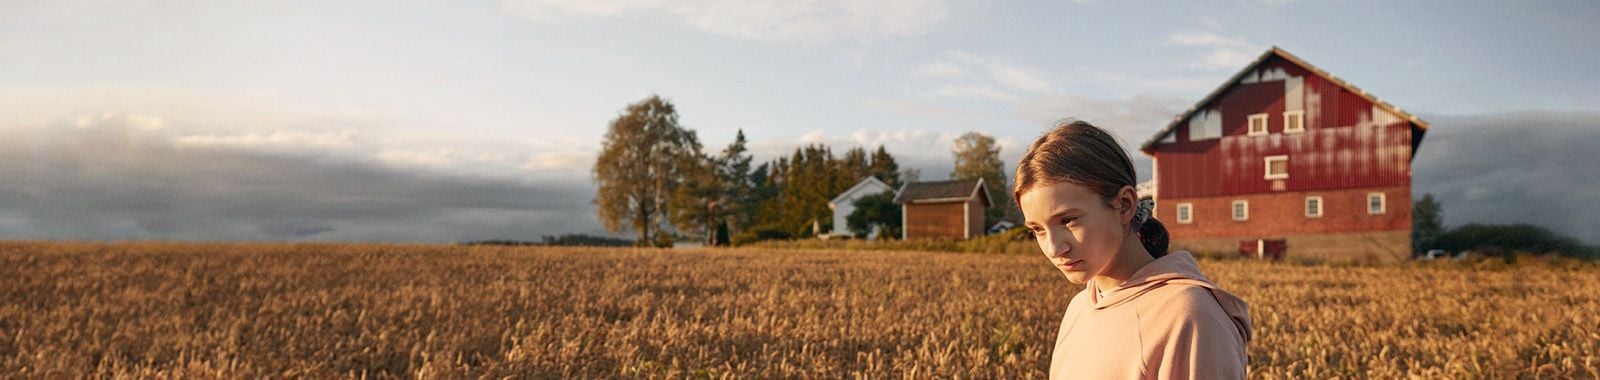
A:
{"x":164,"y":310}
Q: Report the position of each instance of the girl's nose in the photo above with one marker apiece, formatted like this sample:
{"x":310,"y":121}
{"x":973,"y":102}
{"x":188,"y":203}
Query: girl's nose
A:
{"x":1059,"y":249}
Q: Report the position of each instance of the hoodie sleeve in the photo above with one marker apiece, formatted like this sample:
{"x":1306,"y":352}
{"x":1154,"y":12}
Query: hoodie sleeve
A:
{"x":1190,"y":336}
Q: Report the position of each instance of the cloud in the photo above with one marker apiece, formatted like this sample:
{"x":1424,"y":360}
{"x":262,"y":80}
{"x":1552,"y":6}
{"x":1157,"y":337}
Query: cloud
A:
{"x":1208,"y":39}
{"x":1224,"y":53}
{"x":1526,"y":167}
{"x":291,"y":139}
{"x":112,"y":177}
{"x":550,"y":9}
{"x":1020,"y":78}
{"x":772,"y":21}
{"x":1006,"y":73}
{"x":943,"y":70}
{"x":956,"y":69}
{"x":971,"y":91}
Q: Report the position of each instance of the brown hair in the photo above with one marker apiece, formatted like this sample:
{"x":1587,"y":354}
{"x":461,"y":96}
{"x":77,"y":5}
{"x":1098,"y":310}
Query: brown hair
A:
{"x":1080,"y":153}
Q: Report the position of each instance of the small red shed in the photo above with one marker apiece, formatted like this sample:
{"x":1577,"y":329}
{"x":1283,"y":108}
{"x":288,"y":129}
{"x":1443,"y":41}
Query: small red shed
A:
{"x":942,"y":209}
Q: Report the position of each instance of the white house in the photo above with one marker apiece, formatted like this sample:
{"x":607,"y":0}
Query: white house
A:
{"x":844,"y":204}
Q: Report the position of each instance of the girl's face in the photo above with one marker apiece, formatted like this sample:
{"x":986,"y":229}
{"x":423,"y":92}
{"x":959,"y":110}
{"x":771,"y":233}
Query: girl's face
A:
{"x":1076,"y":229}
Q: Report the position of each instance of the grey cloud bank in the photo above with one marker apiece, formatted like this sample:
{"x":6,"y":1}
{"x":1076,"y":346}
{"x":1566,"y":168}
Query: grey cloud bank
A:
{"x":112,"y":179}
{"x":1532,"y":167}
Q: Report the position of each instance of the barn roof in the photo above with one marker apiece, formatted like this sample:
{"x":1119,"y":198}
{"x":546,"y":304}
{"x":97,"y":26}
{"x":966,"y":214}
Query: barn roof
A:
{"x":1422,"y":126}
{"x":943,"y":191}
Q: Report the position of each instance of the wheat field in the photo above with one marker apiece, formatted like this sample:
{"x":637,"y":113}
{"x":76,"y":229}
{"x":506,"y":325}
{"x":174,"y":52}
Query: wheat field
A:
{"x":169,"y":310}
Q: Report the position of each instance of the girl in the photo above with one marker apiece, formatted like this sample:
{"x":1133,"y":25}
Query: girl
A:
{"x":1143,"y":313}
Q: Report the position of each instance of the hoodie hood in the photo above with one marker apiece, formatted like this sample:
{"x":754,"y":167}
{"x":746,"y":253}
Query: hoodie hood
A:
{"x":1176,"y":268}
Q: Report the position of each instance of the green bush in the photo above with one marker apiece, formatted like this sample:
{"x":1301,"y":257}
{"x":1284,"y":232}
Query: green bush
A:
{"x":760,"y":233}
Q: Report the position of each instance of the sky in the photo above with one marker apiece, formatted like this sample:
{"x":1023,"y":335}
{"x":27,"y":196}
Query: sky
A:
{"x":475,"y":120}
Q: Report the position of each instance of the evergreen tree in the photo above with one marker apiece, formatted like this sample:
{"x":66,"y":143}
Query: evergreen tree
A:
{"x":739,"y":185}
{"x":699,"y":199}
{"x":883,"y":167}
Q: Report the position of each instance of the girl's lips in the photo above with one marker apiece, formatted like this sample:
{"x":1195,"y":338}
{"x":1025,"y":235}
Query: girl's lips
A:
{"x":1071,"y":264}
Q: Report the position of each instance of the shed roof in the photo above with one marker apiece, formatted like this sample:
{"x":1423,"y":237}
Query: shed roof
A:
{"x":1421,"y":126}
{"x":943,"y":191}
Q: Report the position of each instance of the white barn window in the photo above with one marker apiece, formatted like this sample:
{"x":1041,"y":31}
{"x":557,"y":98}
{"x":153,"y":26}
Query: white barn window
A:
{"x":1241,"y":210}
{"x":1376,"y":204}
{"x":1277,"y":167}
{"x":1185,"y":213}
{"x":1294,"y":121}
{"x":1258,"y":124}
{"x":1314,"y":206}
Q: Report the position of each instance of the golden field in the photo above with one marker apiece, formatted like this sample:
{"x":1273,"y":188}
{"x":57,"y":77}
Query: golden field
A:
{"x":166,"y":310}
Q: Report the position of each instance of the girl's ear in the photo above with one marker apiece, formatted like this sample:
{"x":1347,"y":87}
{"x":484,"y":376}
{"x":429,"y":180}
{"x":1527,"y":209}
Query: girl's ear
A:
{"x":1127,"y":203}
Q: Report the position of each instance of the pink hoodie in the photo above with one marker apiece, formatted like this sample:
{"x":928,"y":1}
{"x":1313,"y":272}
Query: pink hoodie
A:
{"x":1165,"y":322}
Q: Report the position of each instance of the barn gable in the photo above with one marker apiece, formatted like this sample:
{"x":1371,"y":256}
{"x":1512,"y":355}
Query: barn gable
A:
{"x":1204,"y":122}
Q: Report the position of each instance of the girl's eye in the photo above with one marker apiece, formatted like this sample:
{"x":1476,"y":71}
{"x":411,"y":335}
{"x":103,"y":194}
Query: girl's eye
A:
{"x":1036,"y":231}
{"x":1068,"y":221}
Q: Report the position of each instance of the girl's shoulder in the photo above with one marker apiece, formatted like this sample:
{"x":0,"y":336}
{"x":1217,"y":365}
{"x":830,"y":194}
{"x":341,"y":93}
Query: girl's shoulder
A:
{"x":1179,"y":300}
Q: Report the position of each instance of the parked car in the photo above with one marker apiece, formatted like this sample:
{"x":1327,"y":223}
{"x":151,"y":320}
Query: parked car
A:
{"x":1433,"y":254}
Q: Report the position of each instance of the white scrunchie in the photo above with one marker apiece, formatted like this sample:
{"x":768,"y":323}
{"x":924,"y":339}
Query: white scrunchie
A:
{"x":1143,"y":212}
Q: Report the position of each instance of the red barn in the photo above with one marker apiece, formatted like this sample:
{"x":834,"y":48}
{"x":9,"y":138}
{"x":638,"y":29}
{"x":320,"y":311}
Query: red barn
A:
{"x":1285,"y":151}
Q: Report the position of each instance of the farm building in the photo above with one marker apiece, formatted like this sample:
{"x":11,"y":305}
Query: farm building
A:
{"x":844,"y":204}
{"x":943,"y":209}
{"x":1284,"y":156}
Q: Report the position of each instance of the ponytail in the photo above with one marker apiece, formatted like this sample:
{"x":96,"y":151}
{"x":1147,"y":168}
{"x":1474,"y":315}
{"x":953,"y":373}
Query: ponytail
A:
{"x":1153,"y":235}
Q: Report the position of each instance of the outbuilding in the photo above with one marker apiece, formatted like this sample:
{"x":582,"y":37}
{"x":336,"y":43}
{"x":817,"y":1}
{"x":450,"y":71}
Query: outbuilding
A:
{"x":943,"y":209}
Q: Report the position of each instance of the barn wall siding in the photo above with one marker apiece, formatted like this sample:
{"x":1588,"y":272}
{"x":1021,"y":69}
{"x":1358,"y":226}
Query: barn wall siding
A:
{"x":975,"y":227}
{"x":933,"y":220}
{"x":1273,"y":215}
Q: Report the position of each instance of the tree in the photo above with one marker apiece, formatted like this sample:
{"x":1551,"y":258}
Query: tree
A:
{"x":639,"y":167}
{"x":884,"y":167}
{"x":877,"y":210}
{"x":977,"y":156}
{"x":739,"y":185}
{"x":1427,"y":224}
{"x":854,"y":165}
{"x":698,"y":201}
{"x":810,"y":181}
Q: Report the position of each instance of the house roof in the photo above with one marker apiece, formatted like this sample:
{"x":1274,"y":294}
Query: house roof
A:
{"x":1178,"y":120}
{"x":868,"y":186}
{"x":943,"y":191}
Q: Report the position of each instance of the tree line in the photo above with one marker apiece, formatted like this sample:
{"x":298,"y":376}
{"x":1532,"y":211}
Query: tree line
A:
{"x":656,"y":180}
{"x":1504,"y":241}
